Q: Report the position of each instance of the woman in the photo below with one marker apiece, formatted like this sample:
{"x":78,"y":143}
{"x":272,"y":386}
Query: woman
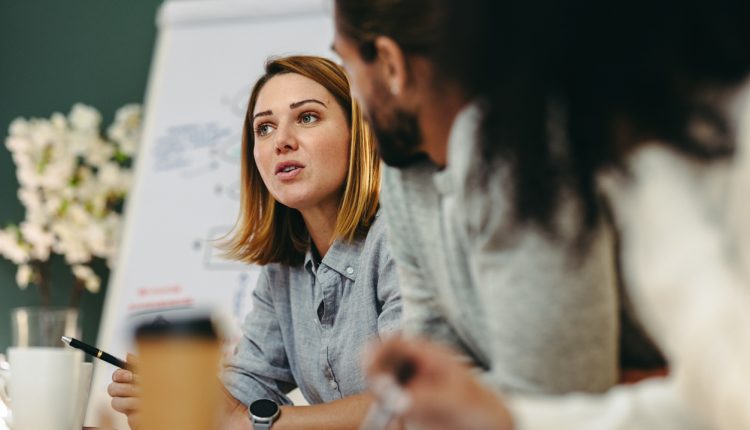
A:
{"x":309,"y":216}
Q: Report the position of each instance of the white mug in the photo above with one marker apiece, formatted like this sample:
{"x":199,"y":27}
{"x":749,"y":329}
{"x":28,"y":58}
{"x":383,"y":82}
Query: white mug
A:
{"x":82,"y":397}
{"x":4,"y":399}
{"x":48,"y":388}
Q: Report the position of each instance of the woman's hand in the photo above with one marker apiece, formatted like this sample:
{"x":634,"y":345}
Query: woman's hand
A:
{"x":126,"y":393}
{"x":442,"y":392}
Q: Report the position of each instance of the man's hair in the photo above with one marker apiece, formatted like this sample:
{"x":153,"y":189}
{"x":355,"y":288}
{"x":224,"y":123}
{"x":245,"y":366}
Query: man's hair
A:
{"x":414,"y":24}
{"x":269,"y":232}
{"x":570,"y":87}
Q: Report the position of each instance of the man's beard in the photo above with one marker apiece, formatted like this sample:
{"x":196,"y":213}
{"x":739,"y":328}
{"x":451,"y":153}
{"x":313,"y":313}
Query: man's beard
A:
{"x":399,"y":142}
{"x":399,"y":138}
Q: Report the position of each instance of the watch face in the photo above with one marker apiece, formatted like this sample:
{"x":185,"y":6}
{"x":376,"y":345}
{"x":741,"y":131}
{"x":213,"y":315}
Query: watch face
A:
{"x":264,"y":408}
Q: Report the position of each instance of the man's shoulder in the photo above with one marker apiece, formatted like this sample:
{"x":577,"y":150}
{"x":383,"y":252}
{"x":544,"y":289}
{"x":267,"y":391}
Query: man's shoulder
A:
{"x":405,"y":187}
{"x":400,"y":177}
{"x":409,"y":201}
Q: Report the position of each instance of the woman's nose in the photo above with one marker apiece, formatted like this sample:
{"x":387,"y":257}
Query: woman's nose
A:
{"x":285,"y":141}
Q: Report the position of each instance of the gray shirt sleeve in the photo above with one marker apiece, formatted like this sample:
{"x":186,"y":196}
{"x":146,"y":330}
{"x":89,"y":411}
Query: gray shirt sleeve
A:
{"x":260,"y":368}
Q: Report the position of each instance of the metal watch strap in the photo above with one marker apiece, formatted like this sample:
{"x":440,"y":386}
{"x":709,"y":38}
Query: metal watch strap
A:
{"x":261,"y":426}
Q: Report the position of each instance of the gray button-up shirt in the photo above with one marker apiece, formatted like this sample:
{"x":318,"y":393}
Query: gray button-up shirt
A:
{"x":536,"y":316}
{"x":308,"y":325}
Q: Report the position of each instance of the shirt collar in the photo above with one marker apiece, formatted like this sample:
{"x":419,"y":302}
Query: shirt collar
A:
{"x":309,"y":264}
{"x":342,"y":256}
{"x":463,"y":135}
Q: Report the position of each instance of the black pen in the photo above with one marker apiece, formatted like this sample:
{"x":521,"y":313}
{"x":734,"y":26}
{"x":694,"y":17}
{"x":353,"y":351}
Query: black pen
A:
{"x":95,"y":352}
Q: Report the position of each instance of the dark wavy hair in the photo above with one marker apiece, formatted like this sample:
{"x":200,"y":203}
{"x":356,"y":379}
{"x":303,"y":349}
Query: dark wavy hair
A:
{"x":573,"y":86}
{"x":569,"y":87}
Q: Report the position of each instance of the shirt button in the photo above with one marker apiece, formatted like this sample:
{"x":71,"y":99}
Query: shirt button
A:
{"x":349,"y":270}
{"x":325,"y":270}
{"x":334,"y":385}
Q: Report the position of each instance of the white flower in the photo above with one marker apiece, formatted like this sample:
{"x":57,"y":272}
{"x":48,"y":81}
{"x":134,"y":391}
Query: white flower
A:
{"x":24,"y":160}
{"x":79,"y":143}
{"x":71,"y":179}
{"x":78,"y":215}
{"x":17,"y":144}
{"x":67,"y":193}
{"x":40,"y":240}
{"x":90,"y":280}
{"x":74,"y":251}
{"x":63,"y":230}
{"x":59,"y":121}
{"x":109,"y":176}
{"x":98,"y":204}
{"x":87,"y":187}
{"x":112,"y":257}
{"x":58,"y":172}
{"x":99,"y":153}
{"x":27,"y":178}
{"x":129,"y":146}
{"x":128,"y":117}
{"x":85,"y":118}
{"x":126,"y":129}
{"x":84,"y":174}
{"x":37,"y":216}
{"x":23,"y":276}
{"x":11,"y":248}
{"x":52,"y":205}
{"x":30,"y":198}
{"x":96,"y":238}
{"x":43,"y":135}
{"x":112,"y":224}
{"x":18,"y":126}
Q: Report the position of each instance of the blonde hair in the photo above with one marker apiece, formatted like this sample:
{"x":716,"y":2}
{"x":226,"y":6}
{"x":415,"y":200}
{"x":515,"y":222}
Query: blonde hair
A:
{"x":269,"y":232}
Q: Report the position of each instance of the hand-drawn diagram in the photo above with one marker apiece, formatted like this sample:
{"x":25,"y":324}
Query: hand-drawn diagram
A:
{"x":209,"y":151}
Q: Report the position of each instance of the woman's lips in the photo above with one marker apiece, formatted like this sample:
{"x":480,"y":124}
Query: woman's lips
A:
{"x":289,"y":173}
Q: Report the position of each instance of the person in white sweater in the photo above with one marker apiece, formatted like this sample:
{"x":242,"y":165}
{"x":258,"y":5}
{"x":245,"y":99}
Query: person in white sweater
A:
{"x":684,"y":255}
{"x":649,"y":110}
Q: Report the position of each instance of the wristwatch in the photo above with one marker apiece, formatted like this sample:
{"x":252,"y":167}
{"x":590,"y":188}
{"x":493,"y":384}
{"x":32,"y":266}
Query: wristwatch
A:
{"x":263,"y":413}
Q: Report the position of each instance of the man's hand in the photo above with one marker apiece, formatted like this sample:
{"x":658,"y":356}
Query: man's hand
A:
{"x":443,"y":393}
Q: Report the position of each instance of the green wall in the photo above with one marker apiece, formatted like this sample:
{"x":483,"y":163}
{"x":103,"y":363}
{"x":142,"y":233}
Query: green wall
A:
{"x":53,"y":54}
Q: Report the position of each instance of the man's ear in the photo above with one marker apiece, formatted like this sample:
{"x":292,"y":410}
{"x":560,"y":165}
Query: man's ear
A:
{"x":393,"y":64}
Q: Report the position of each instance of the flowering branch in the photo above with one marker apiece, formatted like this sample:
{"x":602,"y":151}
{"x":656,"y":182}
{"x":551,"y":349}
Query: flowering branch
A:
{"x":72,"y":183}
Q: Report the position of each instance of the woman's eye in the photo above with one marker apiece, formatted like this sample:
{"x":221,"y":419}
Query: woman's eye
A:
{"x":263,"y":129}
{"x":308,"y":118}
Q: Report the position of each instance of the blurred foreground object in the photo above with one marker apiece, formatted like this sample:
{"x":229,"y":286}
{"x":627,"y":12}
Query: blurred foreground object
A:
{"x":178,"y":371}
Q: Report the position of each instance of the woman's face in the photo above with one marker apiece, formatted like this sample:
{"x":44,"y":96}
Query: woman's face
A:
{"x":301,"y":142}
